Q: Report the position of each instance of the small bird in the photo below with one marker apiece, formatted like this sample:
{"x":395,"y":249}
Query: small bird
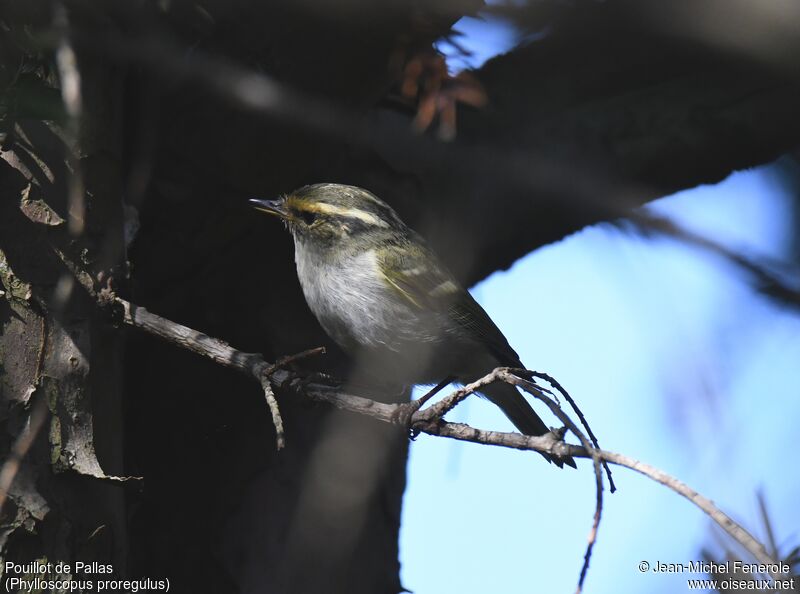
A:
{"x":386,"y":299}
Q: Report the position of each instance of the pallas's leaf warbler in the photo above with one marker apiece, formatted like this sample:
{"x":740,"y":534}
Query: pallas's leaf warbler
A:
{"x":386,"y":298}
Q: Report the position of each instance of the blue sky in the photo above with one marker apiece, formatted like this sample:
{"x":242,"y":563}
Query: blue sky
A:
{"x":482,"y":37}
{"x":674,"y":359}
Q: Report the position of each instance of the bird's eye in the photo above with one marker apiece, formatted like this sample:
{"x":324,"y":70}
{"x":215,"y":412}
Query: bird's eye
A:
{"x":308,"y":217}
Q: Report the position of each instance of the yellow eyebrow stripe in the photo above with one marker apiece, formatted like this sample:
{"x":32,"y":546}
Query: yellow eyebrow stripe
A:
{"x":340,"y":211}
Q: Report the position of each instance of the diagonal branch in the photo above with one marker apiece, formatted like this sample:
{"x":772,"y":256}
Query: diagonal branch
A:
{"x":217,"y":350}
{"x":427,"y":420}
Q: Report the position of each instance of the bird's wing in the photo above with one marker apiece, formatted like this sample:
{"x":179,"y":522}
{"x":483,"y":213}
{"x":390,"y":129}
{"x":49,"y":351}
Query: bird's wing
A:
{"x":419,"y":278}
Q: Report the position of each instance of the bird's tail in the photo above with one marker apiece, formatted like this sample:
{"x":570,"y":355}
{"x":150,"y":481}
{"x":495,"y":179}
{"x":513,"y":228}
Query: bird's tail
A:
{"x":519,"y":411}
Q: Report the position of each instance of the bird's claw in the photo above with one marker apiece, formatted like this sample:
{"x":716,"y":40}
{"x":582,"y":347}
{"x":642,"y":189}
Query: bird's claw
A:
{"x":402,"y":417}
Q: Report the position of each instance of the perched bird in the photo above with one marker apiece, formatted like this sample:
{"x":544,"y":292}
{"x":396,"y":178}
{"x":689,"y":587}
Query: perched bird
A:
{"x":384,"y":296}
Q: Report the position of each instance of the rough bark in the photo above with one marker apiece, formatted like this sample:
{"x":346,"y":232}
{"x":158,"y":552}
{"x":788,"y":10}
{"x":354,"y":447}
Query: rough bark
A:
{"x":57,"y":352}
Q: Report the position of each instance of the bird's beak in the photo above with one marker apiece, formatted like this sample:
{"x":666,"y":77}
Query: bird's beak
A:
{"x":273,"y":207}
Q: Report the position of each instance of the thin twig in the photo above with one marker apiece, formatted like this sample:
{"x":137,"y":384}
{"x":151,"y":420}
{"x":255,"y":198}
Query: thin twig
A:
{"x":612,"y":487}
{"x":263,"y":373}
{"x":510,"y":377}
{"x":272,"y":403}
{"x":289,"y":359}
{"x":448,"y":403}
{"x":218,"y":351}
{"x":742,"y":536}
{"x":546,"y":444}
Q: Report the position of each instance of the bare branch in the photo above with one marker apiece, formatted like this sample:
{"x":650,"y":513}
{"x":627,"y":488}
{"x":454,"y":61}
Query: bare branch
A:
{"x":264,"y":379}
{"x":216,"y":350}
{"x":742,"y":536}
{"x":444,"y":406}
{"x":277,"y":421}
{"x":427,"y":420}
{"x":441,"y":408}
{"x":508,"y":376}
{"x":404,"y":414}
{"x":578,"y":412}
{"x":550,"y":445}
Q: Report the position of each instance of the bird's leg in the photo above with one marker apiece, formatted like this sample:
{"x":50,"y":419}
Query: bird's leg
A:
{"x":403,"y":413}
{"x":558,"y":433}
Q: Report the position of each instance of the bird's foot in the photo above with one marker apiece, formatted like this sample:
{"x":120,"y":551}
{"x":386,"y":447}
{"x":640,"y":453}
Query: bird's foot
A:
{"x":402,"y":416}
{"x":557,"y":435}
{"x":404,"y":413}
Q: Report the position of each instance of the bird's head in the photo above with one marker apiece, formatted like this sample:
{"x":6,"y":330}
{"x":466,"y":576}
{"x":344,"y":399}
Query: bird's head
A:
{"x":327,"y":215}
